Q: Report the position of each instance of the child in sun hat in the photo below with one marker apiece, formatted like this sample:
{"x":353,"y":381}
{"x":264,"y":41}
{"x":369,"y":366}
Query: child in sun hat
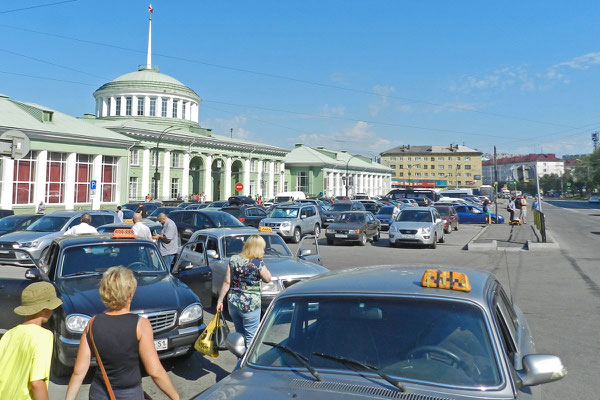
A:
{"x":26,"y":349}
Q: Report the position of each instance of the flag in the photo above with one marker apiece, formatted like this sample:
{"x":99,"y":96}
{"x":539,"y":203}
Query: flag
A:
{"x":150,"y":9}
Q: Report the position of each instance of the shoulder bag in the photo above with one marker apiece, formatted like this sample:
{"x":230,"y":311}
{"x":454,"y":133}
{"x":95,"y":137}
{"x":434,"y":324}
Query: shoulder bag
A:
{"x":111,"y":395}
{"x":221,"y":332}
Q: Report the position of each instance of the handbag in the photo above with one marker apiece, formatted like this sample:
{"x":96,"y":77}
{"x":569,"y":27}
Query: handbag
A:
{"x":221,"y":332}
{"x":111,"y":395}
{"x":205,"y":343}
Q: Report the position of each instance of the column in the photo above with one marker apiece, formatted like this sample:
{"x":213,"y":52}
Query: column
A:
{"x":185,"y":183}
{"x":69,"y":198}
{"x":247,"y":177}
{"x":97,"y":176}
{"x":282,"y":178}
{"x":340,"y":185}
{"x":166,"y":175}
{"x":123,"y":106}
{"x":379,"y":185}
{"x":113,"y":106}
{"x":145,"y":172}
{"x":194,"y":114}
{"x":104,"y":112}
{"x":269,"y":192}
{"x":228,"y":162}
{"x":134,"y":105}
{"x":8,"y":167}
{"x":179,"y":108}
{"x":40,"y":178}
{"x":330,"y":184}
{"x":259,"y":186}
{"x":208,"y":177}
{"x":98,"y":107}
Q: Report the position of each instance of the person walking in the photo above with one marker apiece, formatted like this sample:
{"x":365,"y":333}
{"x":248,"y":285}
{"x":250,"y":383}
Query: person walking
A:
{"x":396,"y":211}
{"x":523,"y":213}
{"x":486,"y":211}
{"x":83,"y":228}
{"x":242,"y":287}
{"x":168,"y":239}
{"x":26,"y":349}
{"x":148,"y":197}
{"x":121,"y":340}
{"x":511,"y":208}
{"x":120,"y":213}
{"x":536,"y":204}
{"x":41,"y":208}
{"x":140,"y":229}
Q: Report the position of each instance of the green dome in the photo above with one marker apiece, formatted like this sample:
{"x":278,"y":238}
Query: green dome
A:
{"x":148,"y":75}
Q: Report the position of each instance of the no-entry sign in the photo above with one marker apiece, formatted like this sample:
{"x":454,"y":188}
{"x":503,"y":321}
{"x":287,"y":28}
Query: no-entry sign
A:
{"x":239,"y":187}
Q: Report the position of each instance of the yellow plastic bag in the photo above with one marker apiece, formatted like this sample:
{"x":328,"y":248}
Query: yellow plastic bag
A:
{"x":206,"y":341}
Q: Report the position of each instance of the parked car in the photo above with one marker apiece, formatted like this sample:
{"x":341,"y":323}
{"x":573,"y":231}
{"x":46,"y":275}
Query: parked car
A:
{"x":594,"y":200}
{"x":39,"y":235}
{"x":20,"y":222}
{"x":371,"y":205}
{"x":148,"y":205}
{"x":155,"y":227}
{"x":343,"y":206}
{"x":218,"y":204}
{"x":6,"y":213}
{"x":218,"y":245}
{"x":293,"y":220}
{"x":341,"y":336}
{"x":408,"y":202}
{"x":170,"y":299}
{"x":187,"y":203}
{"x":239,"y":200}
{"x":327,"y":217}
{"x":341,"y":198}
{"x":248,"y":215}
{"x":165,"y":210}
{"x":189,"y":221}
{"x":470,"y":214}
{"x":449,"y":217}
{"x":417,"y":225}
{"x":353,"y":226}
{"x":384,"y":215}
{"x":196,"y":206}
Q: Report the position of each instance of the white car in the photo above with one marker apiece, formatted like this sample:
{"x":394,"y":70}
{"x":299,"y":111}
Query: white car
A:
{"x":417,"y":225}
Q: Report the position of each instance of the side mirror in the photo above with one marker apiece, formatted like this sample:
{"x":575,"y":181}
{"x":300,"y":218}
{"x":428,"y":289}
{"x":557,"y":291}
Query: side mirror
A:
{"x":34,"y":274}
{"x":304,"y":253}
{"x":236,"y":344}
{"x":303,"y":216}
{"x":212,"y":254}
{"x":541,"y":368}
{"x":185,"y":265}
{"x":438,"y":221}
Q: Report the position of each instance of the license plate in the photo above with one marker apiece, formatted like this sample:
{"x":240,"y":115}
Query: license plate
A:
{"x":408,"y":236}
{"x":341,"y":235}
{"x":161,"y":344}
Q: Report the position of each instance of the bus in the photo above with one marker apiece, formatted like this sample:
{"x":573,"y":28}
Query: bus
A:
{"x":487,"y":191}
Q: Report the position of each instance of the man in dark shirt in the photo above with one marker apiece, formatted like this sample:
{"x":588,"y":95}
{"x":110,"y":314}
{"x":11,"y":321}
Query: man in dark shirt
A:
{"x":168,"y":239}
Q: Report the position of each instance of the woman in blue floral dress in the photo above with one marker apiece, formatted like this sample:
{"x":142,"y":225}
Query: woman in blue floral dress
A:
{"x":242,"y":282}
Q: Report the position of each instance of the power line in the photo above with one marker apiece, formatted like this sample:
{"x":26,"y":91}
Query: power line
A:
{"x":46,"y":78}
{"x":38,"y":6}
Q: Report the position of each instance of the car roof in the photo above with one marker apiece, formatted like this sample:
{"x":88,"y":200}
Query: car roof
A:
{"x":74,"y":213}
{"x":65,"y":241}
{"x":393,"y":280}
{"x":417,"y":209}
{"x":220,"y":232}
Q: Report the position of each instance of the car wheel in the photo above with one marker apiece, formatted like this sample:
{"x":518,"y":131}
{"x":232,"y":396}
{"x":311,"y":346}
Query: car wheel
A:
{"x":330,"y":241}
{"x":317,"y":230}
{"x":297,"y":235}
{"x":434,"y":244}
{"x":443,"y":239}
{"x":59,"y":369}
{"x":362,"y":240}
{"x":376,"y":237}
{"x":456,"y":227}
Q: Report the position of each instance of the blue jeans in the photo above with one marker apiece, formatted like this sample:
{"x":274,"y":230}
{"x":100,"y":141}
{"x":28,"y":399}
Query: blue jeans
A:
{"x":98,"y":392}
{"x":245,"y":323}
{"x":169,"y":260}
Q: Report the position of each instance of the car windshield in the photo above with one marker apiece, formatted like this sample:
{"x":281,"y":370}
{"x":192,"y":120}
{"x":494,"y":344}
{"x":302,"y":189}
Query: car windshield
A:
{"x":127,"y":214}
{"x":350,"y":218}
{"x":131,"y":206}
{"x":284,"y":212}
{"x":340,"y":207}
{"x":218,"y":204}
{"x":385,"y":210}
{"x":443,"y":210}
{"x":415,"y":216}
{"x":223,"y":220}
{"x":97,"y":258}
{"x":48,"y":224}
{"x":438,"y":341}
{"x":275,"y":247}
{"x":9,"y":223}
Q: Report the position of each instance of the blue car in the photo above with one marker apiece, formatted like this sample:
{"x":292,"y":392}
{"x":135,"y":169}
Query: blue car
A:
{"x":470,"y":214}
{"x":384,"y":215}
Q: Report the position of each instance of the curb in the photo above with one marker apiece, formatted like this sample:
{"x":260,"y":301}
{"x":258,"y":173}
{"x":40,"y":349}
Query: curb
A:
{"x":481,"y":246}
{"x":552,"y":244}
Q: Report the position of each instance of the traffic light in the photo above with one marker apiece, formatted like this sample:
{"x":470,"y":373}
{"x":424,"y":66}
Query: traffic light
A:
{"x":514,"y":182}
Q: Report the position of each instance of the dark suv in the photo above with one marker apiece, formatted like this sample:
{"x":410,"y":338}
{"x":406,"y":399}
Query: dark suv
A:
{"x":189,"y":221}
{"x":248,"y":215}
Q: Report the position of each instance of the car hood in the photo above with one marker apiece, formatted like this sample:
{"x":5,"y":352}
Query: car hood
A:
{"x":28,"y":236}
{"x":153,"y":293}
{"x":384,"y":216}
{"x":337,"y":225}
{"x":291,"y":266}
{"x":277,"y":220}
{"x":412,"y":225}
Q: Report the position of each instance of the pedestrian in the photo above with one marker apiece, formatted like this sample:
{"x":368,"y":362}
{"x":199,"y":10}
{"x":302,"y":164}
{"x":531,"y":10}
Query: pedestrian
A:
{"x":511,"y":208}
{"x":142,"y":210}
{"x":242,"y":287}
{"x":536,"y":204}
{"x":122,"y":340}
{"x":83,"y":228}
{"x":26,"y":349}
{"x":41,"y":208}
{"x":523,"y":213}
{"x":148,"y":198}
{"x":119,"y":213}
{"x":167,"y":240}
{"x":140,"y":229}
{"x":486,"y":210}
{"x":259,"y":201}
{"x":396,"y":211}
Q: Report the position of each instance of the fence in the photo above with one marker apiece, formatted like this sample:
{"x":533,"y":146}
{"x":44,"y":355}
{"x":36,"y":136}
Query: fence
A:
{"x":540,"y":223}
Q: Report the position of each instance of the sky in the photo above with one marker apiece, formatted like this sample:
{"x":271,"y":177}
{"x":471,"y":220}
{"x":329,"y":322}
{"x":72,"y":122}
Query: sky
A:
{"x":363,"y":76}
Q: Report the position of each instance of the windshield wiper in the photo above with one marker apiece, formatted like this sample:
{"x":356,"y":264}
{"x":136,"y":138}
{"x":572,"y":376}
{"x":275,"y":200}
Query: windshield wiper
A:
{"x":82,"y":273}
{"x":365,"y":367}
{"x":147,"y":272}
{"x":303,"y":360}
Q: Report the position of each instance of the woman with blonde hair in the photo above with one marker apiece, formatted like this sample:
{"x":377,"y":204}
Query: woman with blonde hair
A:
{"x":121,"y":339}
{"x":242,"y":281}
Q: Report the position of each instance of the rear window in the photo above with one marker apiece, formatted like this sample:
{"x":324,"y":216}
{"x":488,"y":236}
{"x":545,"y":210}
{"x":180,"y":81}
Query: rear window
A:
{"x":223,"y":220}
{"x":386,"y":211}
{"x":48,"y":224}
{"x":232,"y":211}
{"x":340,"y":207}
{"x":443,"y":210}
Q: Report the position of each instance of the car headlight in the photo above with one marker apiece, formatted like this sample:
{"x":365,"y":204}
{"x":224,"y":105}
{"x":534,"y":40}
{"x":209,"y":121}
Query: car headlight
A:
{"x":286,"y":224}
{"x":393,"y":228}
{"x":34,"y":243}
{"x":270,"y":288}
{"x":76,"y":323}
{"x":357,"y":231}
{"x":329,"y":231}
{"x":426,"y":230}
{"x":190,"y":314}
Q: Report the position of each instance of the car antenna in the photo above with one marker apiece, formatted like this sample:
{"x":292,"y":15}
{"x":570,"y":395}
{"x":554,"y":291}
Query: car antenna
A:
{"x":508,"y":274}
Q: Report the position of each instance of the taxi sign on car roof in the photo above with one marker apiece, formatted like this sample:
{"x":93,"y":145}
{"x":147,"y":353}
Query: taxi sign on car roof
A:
{"x":265,"y":229}
{"x":123,"y":234}
{"x":434,"y":278}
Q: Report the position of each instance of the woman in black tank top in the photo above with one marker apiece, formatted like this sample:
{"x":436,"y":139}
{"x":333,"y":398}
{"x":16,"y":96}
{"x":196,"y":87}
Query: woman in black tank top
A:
{"x":122,"y":340}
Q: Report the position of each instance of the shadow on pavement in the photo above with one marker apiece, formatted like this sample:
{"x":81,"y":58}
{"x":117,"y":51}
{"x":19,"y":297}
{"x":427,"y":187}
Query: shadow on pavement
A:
{"x":194,"y":367}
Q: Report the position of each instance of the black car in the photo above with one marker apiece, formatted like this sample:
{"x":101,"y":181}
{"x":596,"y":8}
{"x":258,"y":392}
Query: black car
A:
{"x":353,"y":226}
{"x":170,"y":299}
{"x":371,"y":205}
{"x":164,"y":210}
{"x":14,"y":223}
{"x":150,"y":206}
{"x":248,"y":215}
{"x":189,"y":221}
{"x":6,"y":213}
{"x":239,"y":200}
{"x":196,"y":206}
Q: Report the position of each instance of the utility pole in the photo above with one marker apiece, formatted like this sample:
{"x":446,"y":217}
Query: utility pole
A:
{"x":231,"y":131}
{"x":496,"y":179}
{"x":537,"y":184}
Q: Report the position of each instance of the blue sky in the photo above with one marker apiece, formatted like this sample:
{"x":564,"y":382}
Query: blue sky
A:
{"x":363,"y":76}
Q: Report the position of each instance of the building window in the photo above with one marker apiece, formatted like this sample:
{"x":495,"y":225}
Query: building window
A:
{"x":400,"y":166}
{"x":441,"y":174}
{"x":457,"y":158}
{"x":417,"y":174}
{"x":265,"y":166}
{"x":417,"y":166}
{"x":449,"y":158}
{"x":425,"y":174}
{"x":175,"y":160}
{"x":109,"y":179}
{"x":253,"y":165}
{"x":425,"y":166}
{"x":440,"y":167}
{"x":400,"y":173}
{"x":432,"y":158}
{"x":302,"y":181}
{"x":55,"y":177}
{"x":24,"y":179}
{"x":163,"y":112}
{"x":399,"y":158}
{"x":408,"y":158}
{"x":153,"y":106}
{"x":140,"y":106}
{"x":392,"y":158}
{"x":393,"y":173}
{"x":467,"y":167}
{"x":174,"y":188}
{"x":118,"y":106}
{"x":133,"y":188}
{"x":134,"y":157}
{"x":467,"y":158}
{"x":285,"y":186}
{"x":275,"y":188}
{"x":468,"y":175}
{"x":459,"y":183}
{"x":174,"y":108}
{"x":128,"y":101}
{"x":183,"y":109}
{"x":440,"y":158}
{"x":417,"y":158}
{"x":449,"y":174}
{"x":432,"y":166}
{"x":83,"y":176}
{"x":392,"y":166}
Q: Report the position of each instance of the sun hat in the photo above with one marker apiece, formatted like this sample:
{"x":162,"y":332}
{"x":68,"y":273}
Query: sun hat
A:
{"x":37,"y":297}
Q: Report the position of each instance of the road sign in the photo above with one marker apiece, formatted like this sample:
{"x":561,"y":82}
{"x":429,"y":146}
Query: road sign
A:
{"x":93,"y":184}
{"x":239,"y":187}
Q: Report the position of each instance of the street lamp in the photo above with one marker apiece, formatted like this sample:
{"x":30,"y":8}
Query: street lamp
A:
{"x":156,"y":173}
{"x":347,"y":179}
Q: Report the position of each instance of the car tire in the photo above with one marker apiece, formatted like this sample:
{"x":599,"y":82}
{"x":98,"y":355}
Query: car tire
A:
{"x":59,"y":369}
{"x":362,"y":240}
{"x":443,"y":239}
{"x":434,"y":244}
{"x":317,"y":230}
{"x":297,"y":235}
{"x":330,"y":241}
{"x":456,"y":227}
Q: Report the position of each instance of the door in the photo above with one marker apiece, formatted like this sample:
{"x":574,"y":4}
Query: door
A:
{"x":186,"y":226}
{"x":310,"y":243}
{"x":477,"y":216}
{"x":371,"y":225}
{"x":304,"y":220}
{"x":192,"y":269}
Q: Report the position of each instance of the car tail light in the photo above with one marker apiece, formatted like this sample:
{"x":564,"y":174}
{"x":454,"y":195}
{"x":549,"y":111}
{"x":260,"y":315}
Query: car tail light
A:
{"x":242,"y":219}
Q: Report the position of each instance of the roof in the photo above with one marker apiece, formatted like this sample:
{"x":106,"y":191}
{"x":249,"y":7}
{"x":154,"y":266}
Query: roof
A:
{"x":93,"y":239}
{"x":303,"y":155}
{"x":544,"y":157}
{"x":391,"y":279}
{"x":40,"y":122}
{"x":450,"y":149}
{"x":220,"y":232}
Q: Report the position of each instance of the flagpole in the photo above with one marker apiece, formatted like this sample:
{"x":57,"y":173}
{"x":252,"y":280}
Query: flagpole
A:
{"x":149,"y":56}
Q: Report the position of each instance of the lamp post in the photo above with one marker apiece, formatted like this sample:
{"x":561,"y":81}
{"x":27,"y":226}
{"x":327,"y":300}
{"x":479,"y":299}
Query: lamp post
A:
{"x":347,"y":179}
{"x":156,"y":173}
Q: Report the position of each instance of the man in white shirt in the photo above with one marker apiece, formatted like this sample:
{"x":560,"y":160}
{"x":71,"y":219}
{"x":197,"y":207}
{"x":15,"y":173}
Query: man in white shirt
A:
{"x":83,"y":228}
{"x":396,"y":211}
{"x":119,"y":213}
{"x":140,"y":229}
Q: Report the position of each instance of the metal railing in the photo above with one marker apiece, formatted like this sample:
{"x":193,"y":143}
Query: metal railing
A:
{"x":540,"y":223}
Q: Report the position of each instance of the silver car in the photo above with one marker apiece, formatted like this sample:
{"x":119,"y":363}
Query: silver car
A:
{"x":216,"y":245}
{"x":39,"y":235}
{"x":417,"y":225}
{"x":294,"y":220}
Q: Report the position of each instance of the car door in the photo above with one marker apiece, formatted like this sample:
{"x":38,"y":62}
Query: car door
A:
{"x":251,"y":217}
{"x":463,"y":214}
{"x":304,"y":220}
{"x":216,"y":262}
{"x":191,"y":267}
{"x":309,"y":245}
{"x":372,"y":224}
{"x":439,"y":224}
{"x":186,"y":225}
{"x":477,"y":216}
{"x":260,"y":214}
